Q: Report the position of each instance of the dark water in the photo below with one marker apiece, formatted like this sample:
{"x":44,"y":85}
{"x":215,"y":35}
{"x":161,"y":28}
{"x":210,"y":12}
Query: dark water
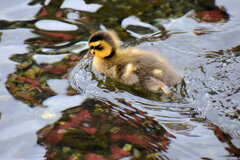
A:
{"x":42,"y":115}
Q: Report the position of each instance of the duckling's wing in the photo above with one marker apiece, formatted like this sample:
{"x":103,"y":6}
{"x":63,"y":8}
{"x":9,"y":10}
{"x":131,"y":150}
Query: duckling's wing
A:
{"x":129,"y":76}
{"x":154,"y":84}
{"x":153,"y":66}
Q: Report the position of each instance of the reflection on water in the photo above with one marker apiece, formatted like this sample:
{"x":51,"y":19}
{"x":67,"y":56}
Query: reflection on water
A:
{"x":41,"y":42}
{"x":101,"y":129}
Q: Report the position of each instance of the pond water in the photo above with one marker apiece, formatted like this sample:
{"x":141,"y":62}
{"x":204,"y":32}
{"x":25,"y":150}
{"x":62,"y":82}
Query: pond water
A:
{"x":54,"y":105}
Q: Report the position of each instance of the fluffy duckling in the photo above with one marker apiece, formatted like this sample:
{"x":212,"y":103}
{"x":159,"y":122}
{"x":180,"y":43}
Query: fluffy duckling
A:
{"x":131,"y":66}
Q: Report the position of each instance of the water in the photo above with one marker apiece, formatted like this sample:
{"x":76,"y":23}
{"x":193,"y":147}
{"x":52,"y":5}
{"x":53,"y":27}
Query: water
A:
{"x":43,"y":41}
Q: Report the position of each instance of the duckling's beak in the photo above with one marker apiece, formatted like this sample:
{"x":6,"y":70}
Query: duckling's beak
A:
{"x":89,"y":54}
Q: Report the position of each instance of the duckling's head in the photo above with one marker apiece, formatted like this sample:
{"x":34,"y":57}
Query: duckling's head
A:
{"x":103,"y":44}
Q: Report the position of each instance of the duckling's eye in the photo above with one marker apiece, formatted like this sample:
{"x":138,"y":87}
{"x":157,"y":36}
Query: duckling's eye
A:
{"x":98,"y":47}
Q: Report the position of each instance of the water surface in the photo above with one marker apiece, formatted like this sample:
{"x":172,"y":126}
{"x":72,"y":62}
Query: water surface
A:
{"x":42,"y":41}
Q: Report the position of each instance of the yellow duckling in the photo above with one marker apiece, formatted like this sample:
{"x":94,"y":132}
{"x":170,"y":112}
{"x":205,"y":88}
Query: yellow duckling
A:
{"x":131,"y":66}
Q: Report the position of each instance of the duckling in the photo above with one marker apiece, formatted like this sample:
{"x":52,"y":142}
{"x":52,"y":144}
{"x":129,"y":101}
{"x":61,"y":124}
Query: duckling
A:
{"x":131,"y":66}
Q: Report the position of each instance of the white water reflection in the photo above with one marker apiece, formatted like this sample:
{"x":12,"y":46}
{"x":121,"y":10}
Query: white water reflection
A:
{"x":58,"y":85}
{"x":80,"y":5}
{"x":20,"y":12}
{"x":53,"y":25}
{"x":19,"y":122}
{"x":135,"y":21}
{"x":59,"y":103}
{"x":13,"y":38}
{"x":40,"y":58}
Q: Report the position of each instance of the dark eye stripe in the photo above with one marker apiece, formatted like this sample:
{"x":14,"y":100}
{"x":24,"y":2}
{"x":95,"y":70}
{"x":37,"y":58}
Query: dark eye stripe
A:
{"x":98,"y":47}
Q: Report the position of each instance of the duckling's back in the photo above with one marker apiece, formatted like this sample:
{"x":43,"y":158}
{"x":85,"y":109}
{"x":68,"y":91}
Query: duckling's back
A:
{"x":149,"y":69}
